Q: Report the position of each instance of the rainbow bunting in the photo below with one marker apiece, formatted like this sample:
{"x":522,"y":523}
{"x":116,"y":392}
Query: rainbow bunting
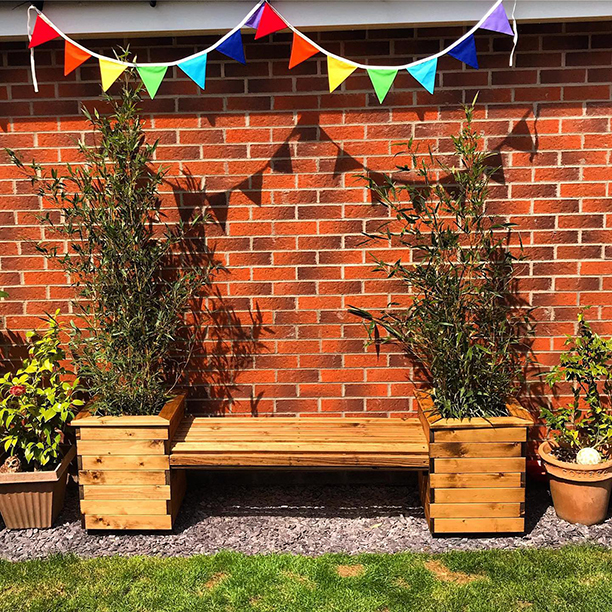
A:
{"x":266,"y":20}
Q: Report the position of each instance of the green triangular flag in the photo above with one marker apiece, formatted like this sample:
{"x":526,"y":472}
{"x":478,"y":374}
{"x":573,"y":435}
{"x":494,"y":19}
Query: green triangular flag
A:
{"x":152,"y":76}
{"x":382,"y":80}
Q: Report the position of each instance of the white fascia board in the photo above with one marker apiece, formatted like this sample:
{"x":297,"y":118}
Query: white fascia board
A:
{"x":102,"y":18}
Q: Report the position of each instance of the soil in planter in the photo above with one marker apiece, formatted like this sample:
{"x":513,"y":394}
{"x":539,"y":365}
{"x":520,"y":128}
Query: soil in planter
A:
{"x":564,"y":454}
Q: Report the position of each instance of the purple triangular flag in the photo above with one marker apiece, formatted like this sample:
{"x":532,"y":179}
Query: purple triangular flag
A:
{"x":255,"y":18}
{"x":497,"y":21}
{"x":465,"y":52}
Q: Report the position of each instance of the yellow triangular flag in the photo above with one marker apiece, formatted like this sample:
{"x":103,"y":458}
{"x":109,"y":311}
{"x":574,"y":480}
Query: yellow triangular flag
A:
{"x":110,"y":72}
{"x":338,"y":71}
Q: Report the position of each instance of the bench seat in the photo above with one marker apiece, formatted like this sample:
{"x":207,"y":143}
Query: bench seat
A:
{"x":277,"y":442}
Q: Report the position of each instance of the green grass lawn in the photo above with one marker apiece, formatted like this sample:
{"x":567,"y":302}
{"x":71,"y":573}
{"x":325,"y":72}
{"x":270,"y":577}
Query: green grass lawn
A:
{"x":568,"y":579}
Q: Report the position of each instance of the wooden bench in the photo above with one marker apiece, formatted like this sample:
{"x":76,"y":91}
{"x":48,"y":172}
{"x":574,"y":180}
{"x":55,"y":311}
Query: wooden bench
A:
{"x":289,"y":442}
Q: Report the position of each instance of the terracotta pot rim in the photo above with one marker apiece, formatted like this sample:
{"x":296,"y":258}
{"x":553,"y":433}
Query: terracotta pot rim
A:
{"x":35,"y":477}
{"x":544,"y":450}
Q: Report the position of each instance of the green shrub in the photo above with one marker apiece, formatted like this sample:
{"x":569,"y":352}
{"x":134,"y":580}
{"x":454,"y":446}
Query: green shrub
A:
{"x":464,"y":327}
{"x":136,"y":276}
{"x":37,"y":402}
{"x":586,"y":422}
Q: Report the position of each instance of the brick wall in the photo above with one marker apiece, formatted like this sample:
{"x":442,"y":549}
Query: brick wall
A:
{"x":276,"y":156}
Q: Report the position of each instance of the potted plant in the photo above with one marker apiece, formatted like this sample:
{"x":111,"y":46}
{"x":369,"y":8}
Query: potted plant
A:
{"x":36,"y":405}
{"x":576,"y":454}
{"x":465,"y":331}
{"x":136,"y":275}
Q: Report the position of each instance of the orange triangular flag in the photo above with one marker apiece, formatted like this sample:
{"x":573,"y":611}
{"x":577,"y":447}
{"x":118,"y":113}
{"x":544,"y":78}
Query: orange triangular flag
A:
{"x":301,"y":50}
{"x":269,"y":22}
{"x":73,"y":57}
{"x":42,"y":33}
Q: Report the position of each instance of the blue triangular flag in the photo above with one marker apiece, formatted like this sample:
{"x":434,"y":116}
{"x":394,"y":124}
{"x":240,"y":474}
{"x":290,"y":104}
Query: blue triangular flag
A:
{"x":465,"y":52}
{"x":232,"y":47}
{"x":255,"y":18}
{"x":195,"y":69}
{"x":425,"y":73}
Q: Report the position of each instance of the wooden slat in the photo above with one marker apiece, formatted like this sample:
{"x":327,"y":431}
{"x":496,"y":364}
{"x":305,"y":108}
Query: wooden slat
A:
{"x":122,"y":447}
{"x":126,"y":522}
{"x":468,"y":464}
{"x":130,"y":462}
{"x":283,"y":459}
{"x":132,"y":507}
{"x":95,"y":477}
{"x":456,"y":496}
{"x":479,"y":525}
{"x":87,"y":420}
{"x":125,"y":491}
{"x":475,"y":480}
{"x":271,"y":446}
{"x":286,"y":442}
{"x":501,"y":434}
{"x":477,"y":510}
{"x":123,"y":433}
{"x":475,"y":449}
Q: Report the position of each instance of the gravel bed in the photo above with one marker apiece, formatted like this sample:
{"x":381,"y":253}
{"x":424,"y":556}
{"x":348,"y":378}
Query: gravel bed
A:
{"x":305,"y":518}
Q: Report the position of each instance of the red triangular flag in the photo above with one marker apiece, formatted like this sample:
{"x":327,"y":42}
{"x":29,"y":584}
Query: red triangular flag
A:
{"x":73,"y":57}
{"x":42,"y":33}
{"x":301,"y":50}
{"x":269,"y":23}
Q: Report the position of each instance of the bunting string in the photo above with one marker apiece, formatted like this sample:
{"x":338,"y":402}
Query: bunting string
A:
{"x":266,"y":20}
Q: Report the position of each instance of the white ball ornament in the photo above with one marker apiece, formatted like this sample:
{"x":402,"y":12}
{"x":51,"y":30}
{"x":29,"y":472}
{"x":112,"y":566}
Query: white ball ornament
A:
{"x":588,"y":456}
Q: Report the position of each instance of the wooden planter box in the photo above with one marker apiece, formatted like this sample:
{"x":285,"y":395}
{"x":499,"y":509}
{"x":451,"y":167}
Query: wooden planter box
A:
{"x":476,"y":479}
{"x":31,"y":500}
{"x":124,"y":469}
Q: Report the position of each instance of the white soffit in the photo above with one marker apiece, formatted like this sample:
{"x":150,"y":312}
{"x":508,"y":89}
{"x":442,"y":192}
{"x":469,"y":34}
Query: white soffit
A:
{"x":101,"y":18}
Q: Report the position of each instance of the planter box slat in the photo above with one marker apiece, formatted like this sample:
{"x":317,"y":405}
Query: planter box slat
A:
{"x":125,"y":492}
{"x":479,"y":464}
{"x":476,"y":481}
{"x":475,"y":449}
{"x":480,"y":525}
{"x":143,"y":522}
{"x":476,"y":510}
{"x":124,"y":466}
{"x":457,"y":496}
{"x":127,"y":447}
{"x":123,"y":433}
{"x":503,"y":434}
{"x":476,"y":473}
{"x":127,"y":462}
{"x":132,"y":507}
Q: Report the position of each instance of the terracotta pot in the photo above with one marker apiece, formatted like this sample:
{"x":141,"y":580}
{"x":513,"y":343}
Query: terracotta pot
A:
{"x":581,"y":493}
{"x":34,"y":499}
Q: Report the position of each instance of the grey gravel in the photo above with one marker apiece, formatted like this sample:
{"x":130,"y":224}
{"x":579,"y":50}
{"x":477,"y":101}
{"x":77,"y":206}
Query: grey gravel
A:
{"x":295,"y":515}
